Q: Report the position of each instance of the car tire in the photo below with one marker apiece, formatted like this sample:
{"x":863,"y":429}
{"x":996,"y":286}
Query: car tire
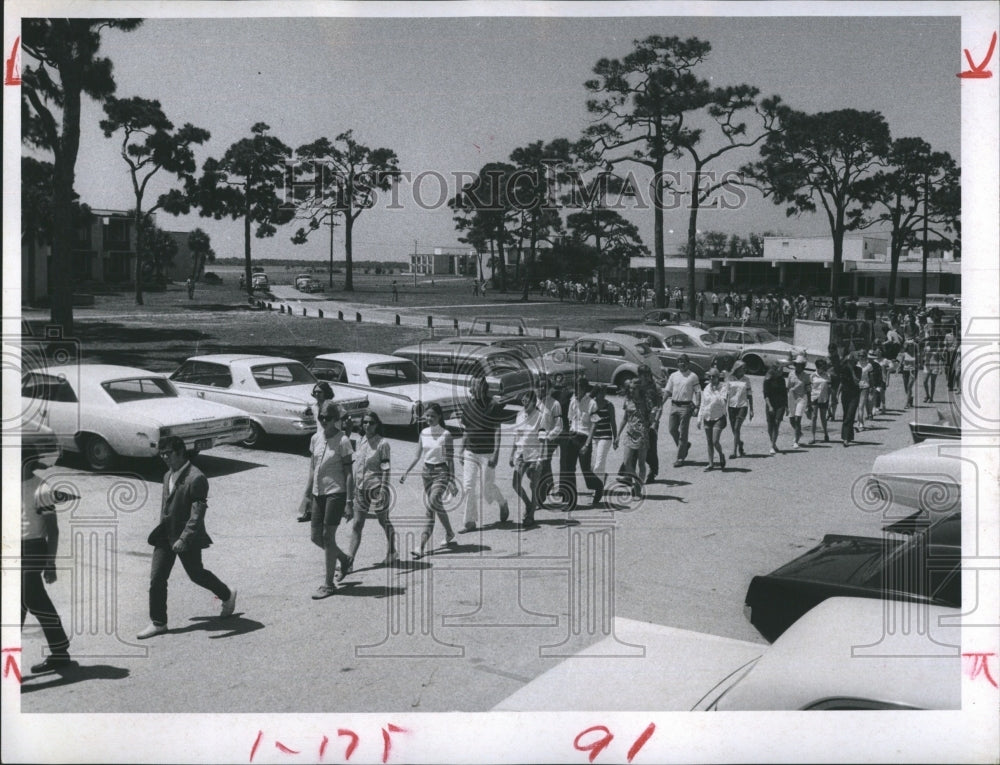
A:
{"x":256,"y":436}
{"x":623,"y":378}
{"x":97,"y":453}
{"x":755,"y":365}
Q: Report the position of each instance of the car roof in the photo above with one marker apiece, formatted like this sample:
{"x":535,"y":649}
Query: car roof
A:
{"x":615,"y":337}
{"x":229,"y":358}
{"x":469,"y":350}
{"x":844,"y":650}
{"x":367,"y":358}
{"x":94,"y":371}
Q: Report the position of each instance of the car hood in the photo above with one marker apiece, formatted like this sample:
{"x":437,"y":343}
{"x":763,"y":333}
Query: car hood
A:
{"x":179,"y":411}
{"x":775,"y":346}
{"x":839,"y":559}
{"x":642,"y":666}
{"x":923,"y":461}
{"x":428,"y":391}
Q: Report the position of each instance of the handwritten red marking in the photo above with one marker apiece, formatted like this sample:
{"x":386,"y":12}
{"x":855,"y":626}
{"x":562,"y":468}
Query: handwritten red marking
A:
{"x":351,"y":746}
{"x":478,"y":147}
{"x":387,"y":742}
{"x":13,"y":76}
{"x":979,"y":72}
{"x":641,"y":741}
{"x":981,"y":666}
{"x":256,"y":743}
{"x":282,"y":748}
{"x":322,"y":746}
{"x":10,"y":663}
{"x":595,"y":747}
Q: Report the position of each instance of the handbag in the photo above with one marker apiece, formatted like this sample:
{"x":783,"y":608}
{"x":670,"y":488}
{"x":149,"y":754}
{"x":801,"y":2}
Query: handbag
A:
{"x":158,"y":536}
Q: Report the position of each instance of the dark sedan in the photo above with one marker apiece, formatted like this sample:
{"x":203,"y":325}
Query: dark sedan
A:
{"x":925,"y":568}
{"x":670,"y":343}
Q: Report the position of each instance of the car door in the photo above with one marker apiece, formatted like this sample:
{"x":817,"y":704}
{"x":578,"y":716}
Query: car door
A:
{"x":587,"y":355}
{"x":612,"y":357}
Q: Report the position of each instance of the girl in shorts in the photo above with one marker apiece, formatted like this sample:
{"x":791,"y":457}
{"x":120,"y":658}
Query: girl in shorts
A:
{"x":436,"y":448}
{"x":712,"y":415}
{"x":820,"y":397}
{"x":371,"y":488}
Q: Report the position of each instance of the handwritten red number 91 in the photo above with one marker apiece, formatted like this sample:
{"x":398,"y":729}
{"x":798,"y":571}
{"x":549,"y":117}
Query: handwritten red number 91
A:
{"x":596,"y":746}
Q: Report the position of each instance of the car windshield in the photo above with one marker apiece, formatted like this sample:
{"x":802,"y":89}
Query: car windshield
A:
{"x":394,"y":373}
{"x":139,"y":389}
{"x":643,"y":348}
{"x":280,"y":375}
{"x":706,"y":339}
{"x":763,"y":336}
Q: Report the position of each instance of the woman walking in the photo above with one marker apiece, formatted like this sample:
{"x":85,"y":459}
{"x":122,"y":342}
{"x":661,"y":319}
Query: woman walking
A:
{"x":864,"y":387}
{"x":635,"y":432}
{"x":331,"y":484}
{"x":908,"y":370}
{"x":834,"y":373}
{"x":372,"y":461}
{"x":850,"y":396}
{"x":605,"y":433}
{"x":712,"y":415}
{"x":819,"y":397}
{"x":526,"y":456}
{"x":798,"y":397}
{"x":933,"y":366}
{"x":739,"y":402}
{"x":775,"y":401}
{"x":435,"y":447}
{"x":321,"y":392}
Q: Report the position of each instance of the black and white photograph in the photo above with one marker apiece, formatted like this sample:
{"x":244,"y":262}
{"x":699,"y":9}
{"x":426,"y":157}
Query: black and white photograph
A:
{"x":645,"y":339}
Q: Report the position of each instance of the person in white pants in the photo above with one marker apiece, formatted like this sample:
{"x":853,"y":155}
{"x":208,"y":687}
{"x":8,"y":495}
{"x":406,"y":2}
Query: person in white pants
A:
{"x":481,"y":420}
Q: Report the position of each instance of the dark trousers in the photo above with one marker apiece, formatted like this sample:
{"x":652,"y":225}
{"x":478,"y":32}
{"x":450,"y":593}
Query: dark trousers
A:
{"x":569,"y":451}
{"x":545,"y":480}
{"x":849,"y":410}
{"x":163,"y":563}
{"x":35,"y":600}
{"x":575,"y":451}
{"x":680,"y":422}
{"x":652,"y":458}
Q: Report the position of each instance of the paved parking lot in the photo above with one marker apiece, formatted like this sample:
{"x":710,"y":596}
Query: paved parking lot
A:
{"x":455,"y":631}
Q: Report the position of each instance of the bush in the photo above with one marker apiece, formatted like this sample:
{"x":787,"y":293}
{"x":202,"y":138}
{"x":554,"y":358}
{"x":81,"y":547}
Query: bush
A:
{"x":210,"y":277}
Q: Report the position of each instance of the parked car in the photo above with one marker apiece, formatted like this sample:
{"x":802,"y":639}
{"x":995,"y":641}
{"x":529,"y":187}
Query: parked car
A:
{"x":394,"y":386}
{"x":664,"y":316}
{"x":259,"y":281}
{"x":508,"y":377}
{"x":919,"y":477}
{"x":610,"y":358}
{"x":104,"y":412}
{"x":532,"y":350}
{"x":755,"y":347}
{"x":275,"y":392}
{"x":815,"y":665}
{"x":920,"y":562}
{"x":210,"y":277}
{"x":669,"y":343}
{"x":305,"y":283}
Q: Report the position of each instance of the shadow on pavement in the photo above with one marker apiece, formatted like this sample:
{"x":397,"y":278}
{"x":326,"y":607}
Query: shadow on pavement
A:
{"x":73,"y":673}
{"x":213,"y":466}
{"x":735,"y":470}
{"x":357,"y":590}
{"x":230,"y":627}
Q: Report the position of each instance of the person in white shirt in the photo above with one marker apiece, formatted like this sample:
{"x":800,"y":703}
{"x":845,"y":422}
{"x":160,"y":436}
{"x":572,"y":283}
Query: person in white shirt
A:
{"x":712,"y":416}
{"x":684,"y":393}
{"x":740,"y":404}
{"x":526,"y":455}
{"x":437,"y":449}
{"x":819,"y":397}
{"x":582,"y":410}
{"x":552,"y":435}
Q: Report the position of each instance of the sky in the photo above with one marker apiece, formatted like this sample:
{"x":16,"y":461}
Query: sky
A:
{"x":451,"y":94}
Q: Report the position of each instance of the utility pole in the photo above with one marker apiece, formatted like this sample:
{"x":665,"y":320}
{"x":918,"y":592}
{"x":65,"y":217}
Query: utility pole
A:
{"x":332,"y":224}
{"x":413,"y":265}
{"x":923,"y":279}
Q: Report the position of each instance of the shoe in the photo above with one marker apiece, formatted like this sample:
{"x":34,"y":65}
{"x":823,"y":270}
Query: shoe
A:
{"x":324,"y":592}
{"x":732,"y":456}
{"x":773,"y":451}
{"x":845,"y":442}
{"x":304,"y":518}
{"x":448,"y":542}
{"x":650,"y":478}
{"x":795,"y":444}
{"x":826,"y":438}
{"x":504,"y":512}
{"x":812,"y":442}
{"x":151,"y":630}
{"x":722,"y":462}
{"x":679,"y":463}
{"x":710,"y":468}
{"x":345,"y":569}
{"x":528,"y":520}
{"x":417,"y":554}
{"x":468,"y":528}
{"x":229,"y":605}
{"x":51,"y":663}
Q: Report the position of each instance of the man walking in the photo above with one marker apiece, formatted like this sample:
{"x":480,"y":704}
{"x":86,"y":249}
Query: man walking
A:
{"x":39,"y":545}
{"x":481,"y":420}
{"x":685,"y":395}
{"x":181,"y":534}
{"x":579,"y":443}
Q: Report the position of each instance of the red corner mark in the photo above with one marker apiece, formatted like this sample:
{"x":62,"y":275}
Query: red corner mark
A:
{"x":979,"y":72}
{"x":10,"y":663}
{"x":13,"y":73}
{"x":980,"y":666}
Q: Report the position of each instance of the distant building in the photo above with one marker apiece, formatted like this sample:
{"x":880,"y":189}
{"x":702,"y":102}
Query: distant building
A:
{"x":103,"y":253}
{"x":802,"y":264}
{"x":459,"y":262}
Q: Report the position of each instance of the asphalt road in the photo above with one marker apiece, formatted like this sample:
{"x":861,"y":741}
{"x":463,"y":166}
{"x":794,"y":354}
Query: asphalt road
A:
{"x":455,"y":631}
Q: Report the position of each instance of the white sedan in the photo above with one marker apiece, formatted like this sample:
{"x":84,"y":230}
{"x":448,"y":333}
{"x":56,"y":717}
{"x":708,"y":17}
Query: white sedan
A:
{"x":275,"y":392}
{"x":394,"y":386}
{"x":104,"y":412}
{"x":757,"y":348}
{"x":843,"y":654}
{"x":925,"y":476}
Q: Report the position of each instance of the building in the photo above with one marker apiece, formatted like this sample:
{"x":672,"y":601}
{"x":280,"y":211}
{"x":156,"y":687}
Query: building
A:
{"x":802,"y":264}
{"x":104,"y":253}
{"x":457,"y":262}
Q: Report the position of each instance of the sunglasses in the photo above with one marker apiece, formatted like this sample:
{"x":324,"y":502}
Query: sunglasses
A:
{"x":368,"y":422}
{"x":326,"y":419}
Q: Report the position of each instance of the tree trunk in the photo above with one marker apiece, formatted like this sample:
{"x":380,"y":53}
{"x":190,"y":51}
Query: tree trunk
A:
{"x":923,"y":267}
{"x":348,"y":257}
{"x":660,"y":261}
{"x":248,"y":270}
{"x":331,"y":250}
{"x":138,"y":250}
{"x":503,"y":259}
{"x":529,"y":259}
{"x":894,"y":252}
{"x":692,"y":238}
{"x":836,"y":268}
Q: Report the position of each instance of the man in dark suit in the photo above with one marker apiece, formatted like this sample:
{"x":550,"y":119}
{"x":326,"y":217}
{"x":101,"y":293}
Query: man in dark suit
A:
{"x":181,"y":533}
